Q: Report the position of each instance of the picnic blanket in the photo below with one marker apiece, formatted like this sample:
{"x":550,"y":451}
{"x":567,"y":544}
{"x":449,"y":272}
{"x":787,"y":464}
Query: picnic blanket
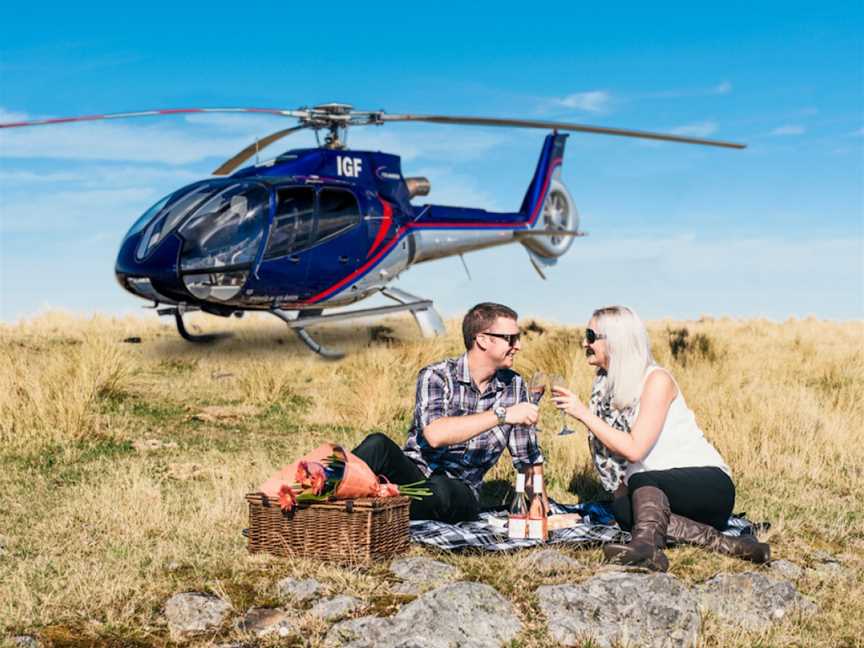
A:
{"x":598,"y":527}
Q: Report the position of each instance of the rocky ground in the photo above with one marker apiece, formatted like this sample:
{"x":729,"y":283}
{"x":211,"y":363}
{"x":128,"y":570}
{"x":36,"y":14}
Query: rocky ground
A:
{"x":614,"y":607}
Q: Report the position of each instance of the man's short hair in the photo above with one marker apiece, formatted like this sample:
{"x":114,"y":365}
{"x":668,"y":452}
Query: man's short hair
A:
{"x":481,"y":317}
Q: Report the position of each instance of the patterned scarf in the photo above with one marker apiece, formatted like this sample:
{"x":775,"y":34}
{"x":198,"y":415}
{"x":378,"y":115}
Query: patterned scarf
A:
{"x":610,"y":466}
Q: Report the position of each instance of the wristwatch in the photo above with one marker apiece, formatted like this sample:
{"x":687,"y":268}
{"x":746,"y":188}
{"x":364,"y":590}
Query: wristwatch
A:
{"x":501,"y":413}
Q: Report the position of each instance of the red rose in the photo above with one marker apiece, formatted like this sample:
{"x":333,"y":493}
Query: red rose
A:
{"x":287,"y":498}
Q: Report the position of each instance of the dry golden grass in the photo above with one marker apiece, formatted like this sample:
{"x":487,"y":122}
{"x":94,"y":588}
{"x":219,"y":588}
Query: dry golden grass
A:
{"x":97,"y":534}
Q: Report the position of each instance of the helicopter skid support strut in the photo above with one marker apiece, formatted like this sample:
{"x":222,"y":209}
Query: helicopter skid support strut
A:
{"x":205,"y":338}
{"x":428,"y":320}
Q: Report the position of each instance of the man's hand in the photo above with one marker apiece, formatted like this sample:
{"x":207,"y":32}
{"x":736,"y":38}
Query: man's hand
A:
{"x":522,"y":414}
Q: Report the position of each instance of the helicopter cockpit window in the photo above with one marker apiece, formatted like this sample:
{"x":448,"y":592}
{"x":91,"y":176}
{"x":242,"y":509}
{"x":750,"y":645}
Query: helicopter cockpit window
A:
{"x":337,"y":211}
{"x":171,"y":211}
{"x":292,"y":225}
{"x":227,"y":229}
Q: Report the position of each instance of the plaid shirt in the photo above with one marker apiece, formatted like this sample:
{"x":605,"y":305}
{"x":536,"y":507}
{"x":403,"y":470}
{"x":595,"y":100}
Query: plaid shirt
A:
{"x":446,"y":389}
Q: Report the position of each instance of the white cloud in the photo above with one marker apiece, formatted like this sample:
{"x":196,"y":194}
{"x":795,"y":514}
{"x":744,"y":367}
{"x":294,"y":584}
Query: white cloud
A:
{"x":8,"y":116}
{"x":75,"y":210}
{"x":104,"y":141}
{"x":594,"y":101}
{"x":700,"y":129}
{"x":452,"y":188}
{"x":722,"y":88}
{"x":789,"y":129}
{"x":100,"y":176}
{"x":664,"y":276}
{"x":241,"y":122}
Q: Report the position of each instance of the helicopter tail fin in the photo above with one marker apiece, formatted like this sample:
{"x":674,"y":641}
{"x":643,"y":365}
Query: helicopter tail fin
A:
{"x":551,"y":157}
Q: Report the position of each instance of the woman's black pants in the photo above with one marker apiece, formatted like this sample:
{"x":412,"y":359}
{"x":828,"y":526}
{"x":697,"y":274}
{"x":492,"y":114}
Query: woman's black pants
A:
{"x":704,"y":494}
{"x":452,"y":500}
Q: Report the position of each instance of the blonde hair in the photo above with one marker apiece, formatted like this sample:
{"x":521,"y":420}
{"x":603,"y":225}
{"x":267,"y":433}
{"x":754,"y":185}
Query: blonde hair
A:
{"x":629,"y":352}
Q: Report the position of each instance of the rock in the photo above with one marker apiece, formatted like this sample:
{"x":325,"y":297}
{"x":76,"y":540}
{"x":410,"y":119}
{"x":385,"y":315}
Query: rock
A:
{"x":548,"y":561}
{"x":824,"y":564}
{"x":457,"y":614}
{"x":750,"y":600}
{"x":785,"y":569}
{"x":622,"y":608}
{"x":336,"y":608}
{"x":224,"y":413}
{"x":472,"y":613}
{"x":191,"y":613}
{"x":184,"y":471}
{"x":266,"y":622}
{"x":146,"y":445}
{"x":420,"y":574}
{"x":820,"y":556}
{"x":298,"y":590}
{"x":368,"y":632}
{"x":25,"y":641}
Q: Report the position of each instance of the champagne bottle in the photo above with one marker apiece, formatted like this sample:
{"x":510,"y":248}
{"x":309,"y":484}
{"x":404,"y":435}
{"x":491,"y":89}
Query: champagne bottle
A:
{"x":517,"y":522}
{"x":538,"y":528}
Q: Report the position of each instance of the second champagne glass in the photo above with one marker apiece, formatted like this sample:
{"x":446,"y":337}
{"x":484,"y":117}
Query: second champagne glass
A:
{"x":558,"y":381}
{"x":537,"y":387}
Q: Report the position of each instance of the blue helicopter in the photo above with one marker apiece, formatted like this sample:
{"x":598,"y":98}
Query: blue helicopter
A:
{"x":320,"y":228}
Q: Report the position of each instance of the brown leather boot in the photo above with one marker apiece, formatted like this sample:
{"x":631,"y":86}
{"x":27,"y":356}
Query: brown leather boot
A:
{"x":687,"y":531}
{"x":651,"y":517}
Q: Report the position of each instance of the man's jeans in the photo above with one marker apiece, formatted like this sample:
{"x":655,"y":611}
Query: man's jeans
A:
{"x":451,"y":501}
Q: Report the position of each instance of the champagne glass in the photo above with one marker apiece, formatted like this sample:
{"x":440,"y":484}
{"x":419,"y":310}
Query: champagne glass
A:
{"x":558,"y":381}
{"x":537,"y":387}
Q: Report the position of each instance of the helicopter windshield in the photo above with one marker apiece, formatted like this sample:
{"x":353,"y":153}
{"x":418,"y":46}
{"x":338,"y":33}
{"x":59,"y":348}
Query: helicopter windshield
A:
{"x":170,"y":211}
{"x":226,"y":230}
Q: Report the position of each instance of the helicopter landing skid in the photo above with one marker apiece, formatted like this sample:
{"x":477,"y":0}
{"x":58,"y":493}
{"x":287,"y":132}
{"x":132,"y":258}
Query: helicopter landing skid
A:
{"x":206,"y":338}
{"x":427,"y":318}
{"x":298,"y":326}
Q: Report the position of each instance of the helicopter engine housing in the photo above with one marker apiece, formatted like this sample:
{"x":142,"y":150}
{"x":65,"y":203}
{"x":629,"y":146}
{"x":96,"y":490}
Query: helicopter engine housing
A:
{"x":559,"y":213}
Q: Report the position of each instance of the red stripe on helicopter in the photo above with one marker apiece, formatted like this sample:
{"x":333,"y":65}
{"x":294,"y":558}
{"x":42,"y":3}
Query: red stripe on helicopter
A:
{"x":385,"y":225}
{"x":371,"y":263}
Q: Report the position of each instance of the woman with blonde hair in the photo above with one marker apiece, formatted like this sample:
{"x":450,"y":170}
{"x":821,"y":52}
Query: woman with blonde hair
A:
{"x":669,"y":481}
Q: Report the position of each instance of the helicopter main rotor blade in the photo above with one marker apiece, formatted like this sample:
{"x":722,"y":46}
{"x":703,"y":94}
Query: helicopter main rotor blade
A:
{"x":229,"y":166}
{"x":560,"y":126}
{"x":156,"y":113}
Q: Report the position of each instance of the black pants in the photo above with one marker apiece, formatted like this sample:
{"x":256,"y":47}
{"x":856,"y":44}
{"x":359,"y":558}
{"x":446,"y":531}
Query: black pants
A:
{"x":704,"y":494}
{"x":451,"y":500}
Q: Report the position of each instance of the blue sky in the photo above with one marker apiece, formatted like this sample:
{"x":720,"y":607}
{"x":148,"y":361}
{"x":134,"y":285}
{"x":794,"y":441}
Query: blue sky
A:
{"x":675,"y":231}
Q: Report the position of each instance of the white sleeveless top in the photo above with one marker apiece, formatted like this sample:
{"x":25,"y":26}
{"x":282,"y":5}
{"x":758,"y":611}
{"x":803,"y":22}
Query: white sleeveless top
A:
{"x":681,"y":443}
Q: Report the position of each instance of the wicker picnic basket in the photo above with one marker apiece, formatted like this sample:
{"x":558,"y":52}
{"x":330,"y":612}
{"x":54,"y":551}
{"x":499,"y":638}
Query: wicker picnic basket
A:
{"x":344,"y":531}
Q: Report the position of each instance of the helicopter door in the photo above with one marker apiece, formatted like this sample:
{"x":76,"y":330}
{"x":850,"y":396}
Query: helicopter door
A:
{"x":286,"y":259}
{"x":340,"y":242}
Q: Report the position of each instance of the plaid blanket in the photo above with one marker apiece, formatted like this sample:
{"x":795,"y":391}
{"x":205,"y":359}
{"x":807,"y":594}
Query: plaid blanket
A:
{"x":598,"y":527}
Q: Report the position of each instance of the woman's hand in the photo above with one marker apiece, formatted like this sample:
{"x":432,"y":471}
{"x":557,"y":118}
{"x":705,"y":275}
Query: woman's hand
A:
{"x":566,"y":401}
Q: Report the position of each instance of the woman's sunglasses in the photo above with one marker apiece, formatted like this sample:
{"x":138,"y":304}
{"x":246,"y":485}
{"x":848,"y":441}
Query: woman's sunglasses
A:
{"x":591,"y":337}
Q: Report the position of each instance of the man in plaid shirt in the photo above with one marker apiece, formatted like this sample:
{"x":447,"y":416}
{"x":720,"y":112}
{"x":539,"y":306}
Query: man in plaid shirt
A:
{"x":468,"y":410}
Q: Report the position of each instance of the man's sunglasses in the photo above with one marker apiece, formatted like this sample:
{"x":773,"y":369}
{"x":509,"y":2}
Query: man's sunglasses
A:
{"x":510,"y":338}
{"x":591,"y":337}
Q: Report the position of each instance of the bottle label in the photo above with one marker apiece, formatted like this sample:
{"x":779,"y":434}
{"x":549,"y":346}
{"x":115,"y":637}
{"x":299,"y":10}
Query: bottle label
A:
{"x":517,"y":528}
{"x":535,"y":530}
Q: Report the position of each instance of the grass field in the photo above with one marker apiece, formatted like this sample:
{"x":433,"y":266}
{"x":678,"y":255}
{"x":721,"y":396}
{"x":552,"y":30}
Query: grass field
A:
{"x":98,"y":531}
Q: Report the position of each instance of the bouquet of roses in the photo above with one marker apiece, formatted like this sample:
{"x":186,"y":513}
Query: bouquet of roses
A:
{"x":330,"y":472}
